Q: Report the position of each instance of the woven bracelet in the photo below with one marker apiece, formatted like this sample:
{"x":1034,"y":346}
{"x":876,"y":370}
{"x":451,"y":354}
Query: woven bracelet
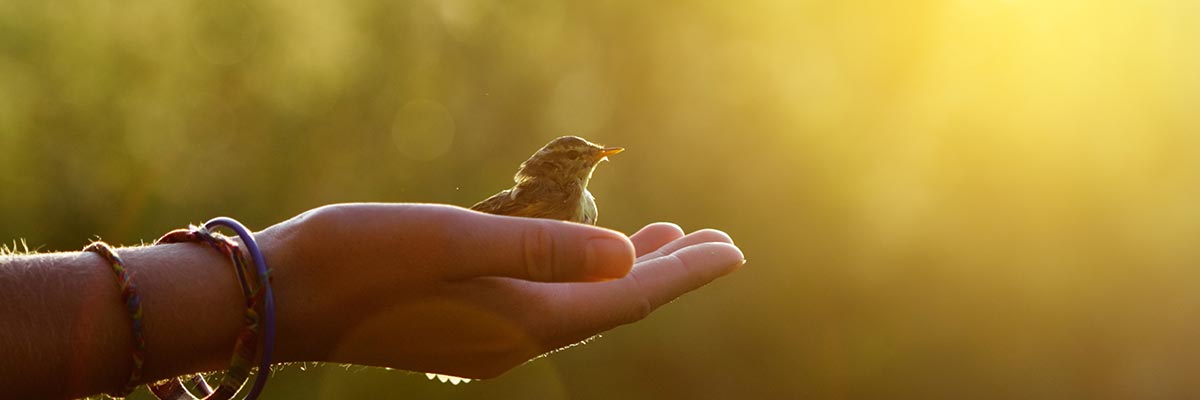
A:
{"x":133,"y":304}
{"x":257,"y":337}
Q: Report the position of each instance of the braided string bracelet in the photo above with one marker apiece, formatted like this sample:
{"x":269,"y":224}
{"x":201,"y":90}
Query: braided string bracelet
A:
{"x":259,"y":315}
{"x":133,"y":304}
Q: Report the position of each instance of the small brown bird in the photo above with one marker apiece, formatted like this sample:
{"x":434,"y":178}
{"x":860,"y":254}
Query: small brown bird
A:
{"x":552,"y":183}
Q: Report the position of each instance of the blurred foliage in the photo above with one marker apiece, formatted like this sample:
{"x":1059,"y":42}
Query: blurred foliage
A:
{"x":938,"y":199}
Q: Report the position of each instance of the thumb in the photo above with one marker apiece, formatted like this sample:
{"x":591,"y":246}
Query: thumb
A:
{"x":537,"y":249}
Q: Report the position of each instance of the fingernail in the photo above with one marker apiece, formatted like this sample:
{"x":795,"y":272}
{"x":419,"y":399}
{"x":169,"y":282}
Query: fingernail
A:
{"x":608,"y":257}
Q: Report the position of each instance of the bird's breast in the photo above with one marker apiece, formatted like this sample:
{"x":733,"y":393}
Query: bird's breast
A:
{"x":587,"y":208}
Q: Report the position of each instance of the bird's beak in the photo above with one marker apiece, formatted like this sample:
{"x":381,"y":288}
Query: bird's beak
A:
{"x":608,"y":151}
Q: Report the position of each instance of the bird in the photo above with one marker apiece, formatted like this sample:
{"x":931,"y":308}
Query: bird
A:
{"x":552,"y":183}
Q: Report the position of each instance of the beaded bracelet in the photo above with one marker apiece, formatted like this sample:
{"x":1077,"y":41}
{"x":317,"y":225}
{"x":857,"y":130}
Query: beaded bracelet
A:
{"x":260,"y":301}
{"x":133,"y":304}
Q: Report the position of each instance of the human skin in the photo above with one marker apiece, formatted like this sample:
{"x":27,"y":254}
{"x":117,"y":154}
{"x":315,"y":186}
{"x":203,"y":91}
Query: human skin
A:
{"x":419,"y":287}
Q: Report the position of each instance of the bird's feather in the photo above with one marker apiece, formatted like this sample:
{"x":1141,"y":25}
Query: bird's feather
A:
{"x":537,"y":198}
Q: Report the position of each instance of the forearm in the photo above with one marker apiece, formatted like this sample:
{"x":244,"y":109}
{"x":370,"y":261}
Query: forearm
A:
{"x":66,"y":332}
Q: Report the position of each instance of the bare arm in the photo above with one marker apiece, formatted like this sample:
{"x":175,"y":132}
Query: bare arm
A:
{"x":419,"y":287}
{"x":66,"y":332}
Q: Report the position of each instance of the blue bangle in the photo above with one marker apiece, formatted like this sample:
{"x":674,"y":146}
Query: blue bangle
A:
{"x":264,"y":282}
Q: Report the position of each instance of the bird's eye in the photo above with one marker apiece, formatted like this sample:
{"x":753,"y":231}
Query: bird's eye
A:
{"x":573,"y":154}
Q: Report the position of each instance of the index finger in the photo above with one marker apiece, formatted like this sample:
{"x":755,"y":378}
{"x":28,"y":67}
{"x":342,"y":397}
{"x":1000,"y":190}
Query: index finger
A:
{"x":654,"y":236}
{"x":585,"y":309}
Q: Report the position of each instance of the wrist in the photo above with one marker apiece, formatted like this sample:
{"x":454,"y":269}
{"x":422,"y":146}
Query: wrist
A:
{"x":299,"y":296}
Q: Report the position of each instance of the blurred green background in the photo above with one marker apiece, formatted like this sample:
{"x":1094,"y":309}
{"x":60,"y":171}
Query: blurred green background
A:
{"x":938,"y":199}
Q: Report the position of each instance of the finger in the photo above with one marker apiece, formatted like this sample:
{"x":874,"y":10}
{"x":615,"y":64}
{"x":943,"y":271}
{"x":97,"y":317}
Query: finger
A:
{"x":582,"y":310}
{"x":654,"y":236}
{"x":694,"y":238}
{"x":535,"y":249}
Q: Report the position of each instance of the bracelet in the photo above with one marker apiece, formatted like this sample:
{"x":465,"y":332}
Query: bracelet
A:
{"x":268,"y":297}
{"x":133,"y":304}
{"x":259,"y":315}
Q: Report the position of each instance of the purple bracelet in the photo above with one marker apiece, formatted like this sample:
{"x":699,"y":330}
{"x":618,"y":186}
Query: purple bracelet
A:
{"x":264,"y":280}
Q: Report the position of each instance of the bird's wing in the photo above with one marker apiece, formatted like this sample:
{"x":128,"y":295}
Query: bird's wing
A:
{"x":500,"y":203}
{"x":533,"y":200}
{"x":548,"y":201}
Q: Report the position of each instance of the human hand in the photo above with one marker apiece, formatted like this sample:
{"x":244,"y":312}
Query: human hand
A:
{"x":443,"y":289}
